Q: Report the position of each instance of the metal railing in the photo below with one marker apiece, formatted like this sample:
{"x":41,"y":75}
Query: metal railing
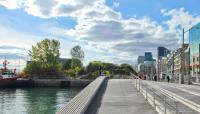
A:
{"x":163,"y":103}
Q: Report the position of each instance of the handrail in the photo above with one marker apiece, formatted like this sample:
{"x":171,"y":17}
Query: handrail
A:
{"x":162,"y":108}
{"x":186,"y":102}
{"x":80,"y":103}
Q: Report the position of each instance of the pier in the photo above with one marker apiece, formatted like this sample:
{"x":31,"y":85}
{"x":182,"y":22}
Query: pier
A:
{"x":134,"y":96}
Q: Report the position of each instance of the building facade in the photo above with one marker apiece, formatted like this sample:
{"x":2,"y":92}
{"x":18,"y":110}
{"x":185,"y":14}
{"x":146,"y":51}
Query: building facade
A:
{"x":148,"y":56}
{"x":194,"y":42}
{"x":140,"y":59}
{"x":146,"y":66}
{"x":162,"y":53}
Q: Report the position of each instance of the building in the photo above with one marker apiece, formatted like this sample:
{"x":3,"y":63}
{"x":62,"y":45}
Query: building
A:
{"x":148,"y":56}
{"x":162,"y":53}
{"x":146,"y":66}
{"x":194,"y":43}
{"x":140,"y":59}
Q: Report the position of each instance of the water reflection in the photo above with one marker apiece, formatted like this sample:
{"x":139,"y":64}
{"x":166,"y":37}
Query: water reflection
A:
{"x":34,"y":100}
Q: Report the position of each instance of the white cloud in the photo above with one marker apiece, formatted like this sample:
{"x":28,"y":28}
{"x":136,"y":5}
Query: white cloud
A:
{"x":106,"y":33}
{"x":180,"y":18}
{"x":12,"y":4}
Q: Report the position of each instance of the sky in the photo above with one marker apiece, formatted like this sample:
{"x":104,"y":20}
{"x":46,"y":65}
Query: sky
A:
{"x":115,"y":31}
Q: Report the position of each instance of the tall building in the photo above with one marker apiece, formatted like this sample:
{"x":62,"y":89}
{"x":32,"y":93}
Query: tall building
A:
{"x":146,"y":66}
{"x":194,"y":43}
{"x":140,"y":59}
{"x":162,"y":53}
{"x":148,"y":56}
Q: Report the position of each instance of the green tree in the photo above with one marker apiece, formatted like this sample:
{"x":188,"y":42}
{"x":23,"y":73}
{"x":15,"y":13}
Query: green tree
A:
{"x":76,"y":63}
{"x":33,"y":68}
{"x":77,"y":56}
{"x":94,"y":66}
{"x":46,"y":54}
{"x":127,"y":69}
{"x":77,"y":53}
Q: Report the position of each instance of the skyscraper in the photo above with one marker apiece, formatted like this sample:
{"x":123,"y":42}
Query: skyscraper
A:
{"x":162,"y":52}
{"x":148,"y":56}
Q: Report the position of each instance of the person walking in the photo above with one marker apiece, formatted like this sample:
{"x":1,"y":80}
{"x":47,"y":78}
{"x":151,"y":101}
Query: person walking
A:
{"x":168,"y":78}
{"x":155,"y":78}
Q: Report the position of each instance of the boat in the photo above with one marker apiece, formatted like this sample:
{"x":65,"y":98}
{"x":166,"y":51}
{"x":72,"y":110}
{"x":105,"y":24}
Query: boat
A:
{"x":7,"y":76}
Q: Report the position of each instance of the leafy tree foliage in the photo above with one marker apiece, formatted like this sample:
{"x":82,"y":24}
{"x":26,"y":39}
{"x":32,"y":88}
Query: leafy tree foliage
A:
{"x":77,"y":53}
{"x":109,"y":68}
{"x":76,"y":63}
{"x":44,"y":57}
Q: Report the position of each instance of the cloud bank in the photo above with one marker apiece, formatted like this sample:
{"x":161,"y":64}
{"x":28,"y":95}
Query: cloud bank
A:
{"x":104,"y":32}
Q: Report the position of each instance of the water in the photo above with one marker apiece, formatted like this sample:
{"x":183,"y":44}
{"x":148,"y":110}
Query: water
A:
{"x":35,"y":100}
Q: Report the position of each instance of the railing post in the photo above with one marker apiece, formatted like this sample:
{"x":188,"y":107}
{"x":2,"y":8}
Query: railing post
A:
{"x":136,"y":83}
{"x":177,"y":112}
{"x":165,"y":107}
{"x":146,"y":93}
{"x":154,"y":98}
{"x":139,"y":84}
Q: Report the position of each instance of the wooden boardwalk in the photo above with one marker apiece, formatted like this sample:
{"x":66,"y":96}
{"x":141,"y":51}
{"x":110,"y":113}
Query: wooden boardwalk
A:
{"x":119,"y":96}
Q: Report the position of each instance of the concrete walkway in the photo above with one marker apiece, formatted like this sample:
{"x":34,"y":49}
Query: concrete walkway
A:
{"x":120,"y":96}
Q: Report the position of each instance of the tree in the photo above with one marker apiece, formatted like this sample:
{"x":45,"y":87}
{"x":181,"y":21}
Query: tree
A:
{"x":46,"y":54}
{"x":127,"y":69}
{"x":76,"y":63}
{"x":77,"y":56}
{"x":33,"y":68}
{"x":77,"y":53}
{"x":94,"y":66}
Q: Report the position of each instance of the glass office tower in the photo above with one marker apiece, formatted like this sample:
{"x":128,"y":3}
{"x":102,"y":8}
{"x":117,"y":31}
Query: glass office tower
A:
{"x":194,"y":43}
{"x":148,"y":56}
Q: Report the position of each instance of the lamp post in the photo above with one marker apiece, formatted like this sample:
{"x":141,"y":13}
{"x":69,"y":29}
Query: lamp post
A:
{"x":182,"y":71}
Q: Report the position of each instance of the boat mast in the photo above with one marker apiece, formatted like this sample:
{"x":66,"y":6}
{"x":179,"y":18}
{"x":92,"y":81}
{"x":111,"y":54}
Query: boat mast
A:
{"x":5,"y":63}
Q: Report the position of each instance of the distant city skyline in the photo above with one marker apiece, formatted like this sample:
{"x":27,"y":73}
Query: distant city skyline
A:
{"x":115,"y":31}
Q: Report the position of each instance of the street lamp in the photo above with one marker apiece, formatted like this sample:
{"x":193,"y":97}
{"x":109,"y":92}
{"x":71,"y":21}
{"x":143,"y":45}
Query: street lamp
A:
{"x":182,"y":77}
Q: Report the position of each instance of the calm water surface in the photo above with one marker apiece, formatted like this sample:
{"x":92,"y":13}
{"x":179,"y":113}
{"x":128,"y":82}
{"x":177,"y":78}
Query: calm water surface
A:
{"x":35,"y":100}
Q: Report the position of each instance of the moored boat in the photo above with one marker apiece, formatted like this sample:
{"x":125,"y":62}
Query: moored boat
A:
{"x":7,"y":76}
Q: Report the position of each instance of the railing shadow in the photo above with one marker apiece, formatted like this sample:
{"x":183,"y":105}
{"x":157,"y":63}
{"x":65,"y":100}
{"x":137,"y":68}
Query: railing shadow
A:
{"x":96,"y":102}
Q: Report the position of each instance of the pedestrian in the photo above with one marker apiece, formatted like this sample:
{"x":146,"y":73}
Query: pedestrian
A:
{"x":100,"y":70}
{"x":168,"y":79}
{"x":145,"y":77}
{"x":155,"y":78}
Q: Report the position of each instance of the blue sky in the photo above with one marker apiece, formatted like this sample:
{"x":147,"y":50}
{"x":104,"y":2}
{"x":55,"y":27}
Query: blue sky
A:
{"x":108,"y":30}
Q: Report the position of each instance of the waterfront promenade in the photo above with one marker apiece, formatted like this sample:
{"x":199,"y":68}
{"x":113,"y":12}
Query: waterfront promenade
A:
{"x":120,"y":97}
{"x":131,"y":96}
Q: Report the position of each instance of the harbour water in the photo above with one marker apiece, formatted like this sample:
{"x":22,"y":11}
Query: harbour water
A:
{"x":35,"y":100}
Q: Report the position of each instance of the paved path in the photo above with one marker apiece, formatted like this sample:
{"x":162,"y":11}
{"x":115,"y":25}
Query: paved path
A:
{"x":120,"y":97}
